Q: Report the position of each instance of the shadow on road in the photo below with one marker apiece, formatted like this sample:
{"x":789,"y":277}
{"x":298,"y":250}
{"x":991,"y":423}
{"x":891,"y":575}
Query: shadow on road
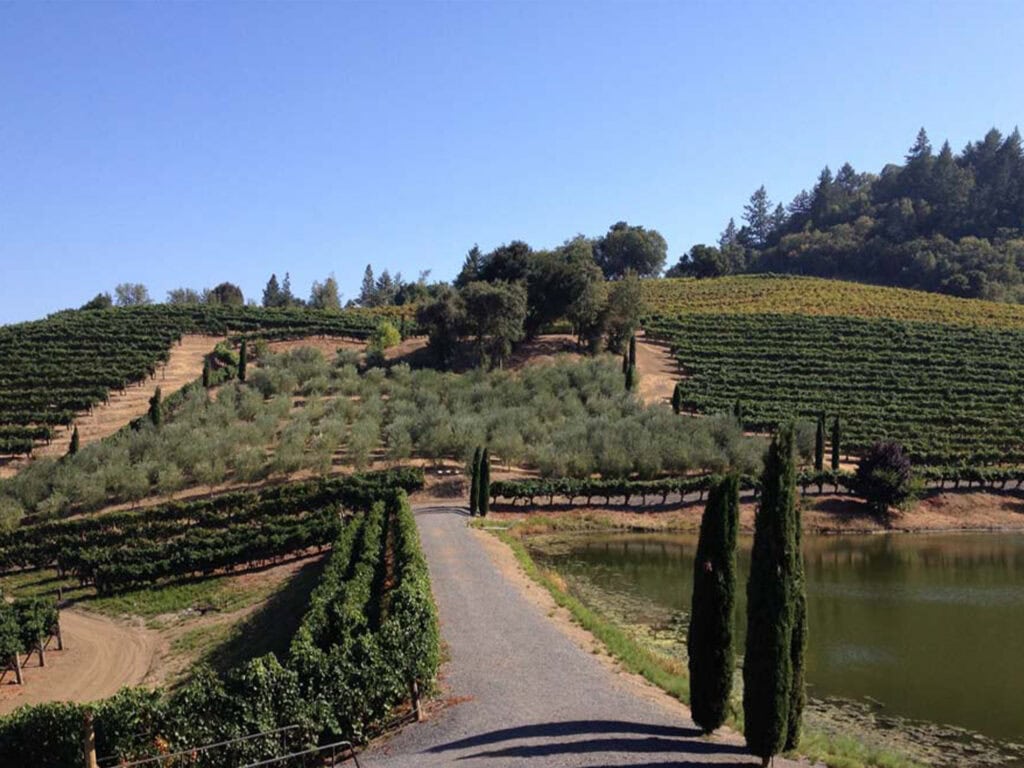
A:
{"x":566,"y":728}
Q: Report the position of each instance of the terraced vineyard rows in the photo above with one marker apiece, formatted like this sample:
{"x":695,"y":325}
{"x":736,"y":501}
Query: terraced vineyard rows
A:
{"x":773,"y":294}
{"x":951,"y":394}
{"x":50,"y":369}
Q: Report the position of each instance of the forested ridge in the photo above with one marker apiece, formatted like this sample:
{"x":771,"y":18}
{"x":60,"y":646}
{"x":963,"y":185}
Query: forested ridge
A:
{"x":939,"y":221}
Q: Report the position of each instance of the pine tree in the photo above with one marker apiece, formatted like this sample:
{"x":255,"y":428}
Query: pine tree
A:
{"x":272,"y":293}
{"x":206,"y":373}
{"x":287,"y":297}
{"x":243,"y":360}
{"x":632,"y":350}
{"x":757,"y":215}
{"x":819,"y":444}
{"x":368,"y":290}
{"x":677,"y":398}
{"x":709,"y":639}
{"x":155,"y":409}
{"x":768,"y":661}
{"x":484,"y":504}
{"x":835,"y":444}
{"x":73,"y":446}
{"x":474,"y":487}
{"x":631,"y":378}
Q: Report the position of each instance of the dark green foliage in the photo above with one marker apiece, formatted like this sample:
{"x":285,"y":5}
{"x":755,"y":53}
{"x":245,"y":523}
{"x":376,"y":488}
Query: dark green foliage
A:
{"x":156,"y":411}
{"x":474,"y":488}
{"x":836,"y":440}
{"x":940,"y":222}
{"x":884,"y":477}
{"x":768,"y":662}
{"x":243,"y":360}
{"x":819,"y":444}
{"x":99,"y":301}
{"x":206,"y":373}
{"x":632,"y":350}
{"x":10,"y":634}
{"x":73,"y":445}
{"x":709,"y":639}
{"x":484,"y":504}
{"x":625,"y":363}
{"x":677,"y":399}
{"x":625,"y":248}
{"x":798,"y":644}
{"x":737,"y":409}
{"x":631,"y":380}
{"x":37,"y":617}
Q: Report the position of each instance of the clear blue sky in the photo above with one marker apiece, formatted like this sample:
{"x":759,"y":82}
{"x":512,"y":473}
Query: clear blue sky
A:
{"x":189,"y":143}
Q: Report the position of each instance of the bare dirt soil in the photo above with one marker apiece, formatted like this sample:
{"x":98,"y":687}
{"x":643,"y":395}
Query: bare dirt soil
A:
{"x":101,"y":656}
{"x":658,"y":371}
{"x":963,"y":510}
{"x":185,"y":365}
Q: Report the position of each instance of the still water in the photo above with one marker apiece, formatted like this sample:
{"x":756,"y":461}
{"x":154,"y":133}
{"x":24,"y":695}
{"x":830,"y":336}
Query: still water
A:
{"x":929,"y":627}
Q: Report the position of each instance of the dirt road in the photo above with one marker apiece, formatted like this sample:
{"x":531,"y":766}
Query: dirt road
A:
{"x":658,"y":370}
{"x":524,"y":687}
{"x":102,"y":655}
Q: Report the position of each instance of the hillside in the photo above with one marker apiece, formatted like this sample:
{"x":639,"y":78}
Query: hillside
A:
{"x":54,"y":369}
{"x":944,"y":376}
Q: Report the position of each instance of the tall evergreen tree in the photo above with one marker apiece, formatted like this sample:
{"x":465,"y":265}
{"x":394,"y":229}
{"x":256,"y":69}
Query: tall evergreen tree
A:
{"x":287,"y":297}
{"x":368,"y":290}
{"x":156,"y":409}
{"x":631,"y":381}
{"x":206,"y":373}
{"x":677,"y":398}
{"x":768,"y":661}
{"x":474,"y":487}
{"x":632,"y":350}
{"x":758,"y":215}
{"x":73,"y":446}
{"x":819,"y":444}
{"x":625,"y":362}
{"x":272,"y":293}
{"x":835,"y":444}
{"x":484,"y":504}
{"x":737,"y":412}
{"x":798,"y":643}
{"x":243,"y":360}
{"x":709,"y":638}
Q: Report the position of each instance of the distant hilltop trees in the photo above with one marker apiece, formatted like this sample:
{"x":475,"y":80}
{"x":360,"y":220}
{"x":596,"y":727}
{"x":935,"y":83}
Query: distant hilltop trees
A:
{"x":940,"y":221}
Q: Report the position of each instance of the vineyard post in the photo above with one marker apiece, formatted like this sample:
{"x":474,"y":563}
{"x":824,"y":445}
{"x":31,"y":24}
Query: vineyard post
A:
{"x":89,"y":741}
{"x":17,"y":670}
{"x":414,"y":690}
{"x":60,"y":635}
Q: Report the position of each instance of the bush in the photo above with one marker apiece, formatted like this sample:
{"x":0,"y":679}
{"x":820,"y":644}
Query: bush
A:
{"x":884,"y":478}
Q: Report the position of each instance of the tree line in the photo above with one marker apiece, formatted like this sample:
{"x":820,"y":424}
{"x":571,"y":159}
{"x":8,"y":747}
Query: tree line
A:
{"x":938,"y":221}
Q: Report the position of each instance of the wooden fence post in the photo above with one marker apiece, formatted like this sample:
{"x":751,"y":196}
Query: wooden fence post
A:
{"x":17,"y":671}
{"x":89,"y":742}
{"x":60,"y":635}
{"x":414,"y":689}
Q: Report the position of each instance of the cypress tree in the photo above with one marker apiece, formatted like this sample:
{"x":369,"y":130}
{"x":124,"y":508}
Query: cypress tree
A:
{"x":835,"y":444}
{"x":677,"y":399}
{"x":625,"y":362}
{"x":632,"y":350}
{"x":737,"y":412}
{"x":484,"y":504}
{"x":709,"y":639}
{"x":206,"y":373}
{"x":768,"y":661}
{"x":819,"y":444}
{"x":631,"y":378}
{"x":798,"y":645}
{"x":474,"y":487}
{"x":155,"y":409}
{"x":73,"y":447}
{"x":243,"y":360}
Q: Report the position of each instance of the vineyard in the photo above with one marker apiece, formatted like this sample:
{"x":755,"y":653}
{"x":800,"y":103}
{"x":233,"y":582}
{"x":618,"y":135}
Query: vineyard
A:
{"x":951,"y":394}
{"x":369,"y":637}
{"x":50,"y":369}
{"x":809,"y":296}
{"x":126,"y":550}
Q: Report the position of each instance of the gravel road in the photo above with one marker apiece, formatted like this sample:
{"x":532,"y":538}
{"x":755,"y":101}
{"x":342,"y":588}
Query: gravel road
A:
{"x":522,"y":692}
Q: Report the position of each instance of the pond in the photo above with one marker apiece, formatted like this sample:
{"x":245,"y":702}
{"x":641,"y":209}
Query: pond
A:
{"x":923,"y":627}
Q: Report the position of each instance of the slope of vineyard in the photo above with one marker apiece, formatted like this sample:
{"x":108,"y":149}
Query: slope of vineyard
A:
{"x":943,"y":376}
{"x":52,"y":369}
{"x":773,"y":294}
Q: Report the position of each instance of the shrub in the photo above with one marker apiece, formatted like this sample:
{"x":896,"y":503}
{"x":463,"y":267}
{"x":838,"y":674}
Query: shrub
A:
{"x":884,"y":478}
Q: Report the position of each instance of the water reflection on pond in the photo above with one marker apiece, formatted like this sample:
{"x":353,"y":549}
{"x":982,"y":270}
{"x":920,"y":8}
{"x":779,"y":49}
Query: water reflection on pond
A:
{"x":931,"y":626}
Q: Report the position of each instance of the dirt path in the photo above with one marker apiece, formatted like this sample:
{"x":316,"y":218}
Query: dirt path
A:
{"x":101,"y":656}
{"x":658,"y":370}
{"x":524,"y":686}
